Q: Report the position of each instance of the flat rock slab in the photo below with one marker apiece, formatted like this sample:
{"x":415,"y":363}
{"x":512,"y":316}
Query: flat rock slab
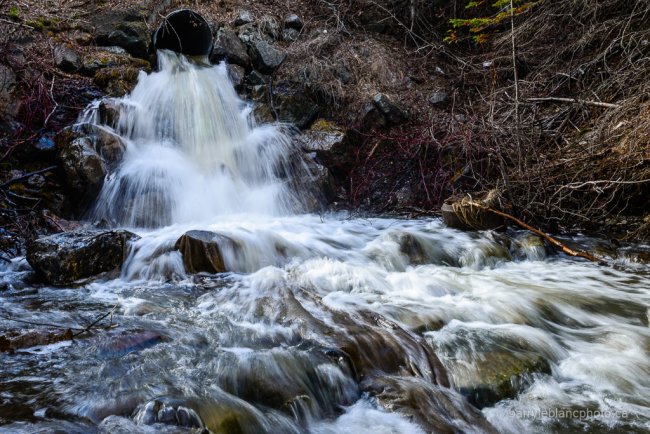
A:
{"x":62,"y":259}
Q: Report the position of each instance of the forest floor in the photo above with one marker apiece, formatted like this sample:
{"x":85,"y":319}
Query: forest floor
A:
{"x":561,"y":128}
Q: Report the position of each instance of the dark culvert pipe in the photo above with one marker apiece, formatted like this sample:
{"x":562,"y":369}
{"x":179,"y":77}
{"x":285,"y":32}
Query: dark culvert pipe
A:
{"x":185,"y":32}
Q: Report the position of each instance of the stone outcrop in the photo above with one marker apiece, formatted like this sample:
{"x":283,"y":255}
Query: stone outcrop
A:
{"x":65,"y":258}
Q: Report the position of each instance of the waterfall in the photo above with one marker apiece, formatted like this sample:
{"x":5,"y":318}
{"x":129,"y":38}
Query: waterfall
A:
{"x":194,"y":152}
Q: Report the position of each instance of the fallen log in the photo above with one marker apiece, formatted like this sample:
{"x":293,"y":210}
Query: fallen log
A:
{"x":558,"y":244}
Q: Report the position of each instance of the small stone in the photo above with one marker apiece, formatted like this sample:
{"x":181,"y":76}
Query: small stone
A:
{"x":439,"y":98}
{"x":393,"y":113}
{"x":243,"y":18}
{"x":293,"y":21}
{"x":66,"y":59}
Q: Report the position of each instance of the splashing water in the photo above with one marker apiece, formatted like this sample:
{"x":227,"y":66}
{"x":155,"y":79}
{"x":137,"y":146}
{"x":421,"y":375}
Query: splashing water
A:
{"x":193,"y":152}
{"x":324,"y":324}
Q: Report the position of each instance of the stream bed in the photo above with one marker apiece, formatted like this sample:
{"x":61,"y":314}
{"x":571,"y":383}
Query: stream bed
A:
{"x":331,"y":324}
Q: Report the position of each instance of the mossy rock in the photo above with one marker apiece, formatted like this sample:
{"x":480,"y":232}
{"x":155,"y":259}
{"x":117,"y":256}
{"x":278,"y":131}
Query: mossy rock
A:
{"x":499,"y":375}
{"x":117,"y":81}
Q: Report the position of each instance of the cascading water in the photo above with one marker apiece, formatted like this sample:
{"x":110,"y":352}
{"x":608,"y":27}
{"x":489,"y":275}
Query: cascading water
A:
{"x":325,"y":324}
{"x":193,"y":152}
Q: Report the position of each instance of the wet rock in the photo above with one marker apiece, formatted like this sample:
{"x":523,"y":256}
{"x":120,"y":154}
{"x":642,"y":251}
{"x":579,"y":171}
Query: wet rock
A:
{"x":167,"y":412}
{"x":436,"y":409}
{"x":228,"y":47}
{"x":244,"y":17}
{"x":117,"y":81}
{"x":13,"y":341}
{"x":83,"y":168}
{"x":266,"y":58}
{"x":203,"y":251}
{"x":65,"y":258}
{"x":109,"y":112}
{"x":439,"y":99}
{"x":488,"y":366}
{"x":458,"y":213}
{"x":109,"y":146}
{"x":528,"y":246}
{"x":499,"y":375}
{"x":293,"y":21}
{"x":236,"y":74}
{"x":392,"y":113}
{"x":130,"y":343}
{"x":66,"y":59}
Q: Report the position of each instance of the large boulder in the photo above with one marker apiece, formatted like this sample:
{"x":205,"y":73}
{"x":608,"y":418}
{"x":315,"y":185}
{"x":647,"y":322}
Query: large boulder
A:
{"x":228,"y":47}
{"x":82,"y":166}
{"x":65,"y":258}
{"x":266,"y":58}
{"x":123,"y":28}
{"x":113,"y":69}
{"x":487,"y":366}
{"x":203,"y":251}
{"x":434,"y":408}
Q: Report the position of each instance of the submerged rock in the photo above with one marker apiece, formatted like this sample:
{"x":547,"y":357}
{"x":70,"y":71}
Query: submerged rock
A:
{"x":499,"y":375}
{"x":65,"y":258}
{"x":436,"y":409}
{"x":13,"y":341}
{"x":119,"y":346}
{"x":167,"y":413}
{"x":203,"y":251}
